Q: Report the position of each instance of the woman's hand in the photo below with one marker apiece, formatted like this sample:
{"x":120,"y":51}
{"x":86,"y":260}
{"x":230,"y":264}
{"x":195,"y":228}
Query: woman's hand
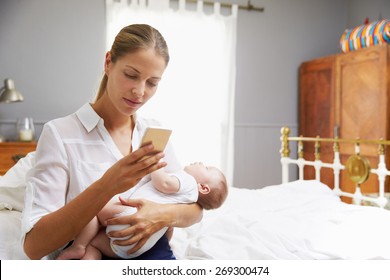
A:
{"x":150,"y":218}
{"x":128,"y":171}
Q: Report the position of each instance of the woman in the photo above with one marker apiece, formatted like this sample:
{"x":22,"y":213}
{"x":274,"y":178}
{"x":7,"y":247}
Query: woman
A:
{"x":90,"y":157}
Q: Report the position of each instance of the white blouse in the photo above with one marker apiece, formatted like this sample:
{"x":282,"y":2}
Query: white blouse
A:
{"x":72,"y":153}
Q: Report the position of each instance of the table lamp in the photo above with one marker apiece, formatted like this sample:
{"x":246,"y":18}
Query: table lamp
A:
{"x":8,"y":94}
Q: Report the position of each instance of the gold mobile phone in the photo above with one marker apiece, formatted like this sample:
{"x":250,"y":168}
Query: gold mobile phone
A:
{"x":157,"y":136}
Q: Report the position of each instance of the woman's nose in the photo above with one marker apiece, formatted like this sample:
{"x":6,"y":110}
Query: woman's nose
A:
{"x":138,"y":90}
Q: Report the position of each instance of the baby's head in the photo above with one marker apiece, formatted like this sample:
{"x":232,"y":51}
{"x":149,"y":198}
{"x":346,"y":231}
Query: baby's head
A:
{"x":212,"y":185}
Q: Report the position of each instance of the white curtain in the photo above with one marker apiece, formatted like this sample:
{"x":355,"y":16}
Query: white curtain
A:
{"x":196,"y":96}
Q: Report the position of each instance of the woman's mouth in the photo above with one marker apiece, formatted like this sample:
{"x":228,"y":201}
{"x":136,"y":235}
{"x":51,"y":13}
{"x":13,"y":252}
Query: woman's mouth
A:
{"x":132,"y":103}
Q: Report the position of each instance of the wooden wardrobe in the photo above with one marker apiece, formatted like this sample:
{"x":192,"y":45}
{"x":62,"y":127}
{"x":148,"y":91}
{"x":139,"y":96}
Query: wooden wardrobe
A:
{"x":347,"y":94}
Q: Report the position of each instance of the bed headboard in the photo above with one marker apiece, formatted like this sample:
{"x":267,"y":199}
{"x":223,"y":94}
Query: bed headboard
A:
{"x":357,"y":167}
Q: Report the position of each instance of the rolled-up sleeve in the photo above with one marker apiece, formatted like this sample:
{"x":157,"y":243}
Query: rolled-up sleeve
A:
{"x":47,"y":182}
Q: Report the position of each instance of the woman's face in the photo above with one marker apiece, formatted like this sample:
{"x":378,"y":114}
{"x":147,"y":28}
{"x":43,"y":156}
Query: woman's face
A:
{"x":133,"y":79}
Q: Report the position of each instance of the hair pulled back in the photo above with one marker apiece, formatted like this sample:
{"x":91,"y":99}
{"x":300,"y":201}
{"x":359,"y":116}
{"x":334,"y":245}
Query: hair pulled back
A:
{"x":131,"y":39}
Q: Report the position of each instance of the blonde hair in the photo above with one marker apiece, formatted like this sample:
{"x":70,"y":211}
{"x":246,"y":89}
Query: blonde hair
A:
{"x":216,"y":196}
{"x":131,"y":39}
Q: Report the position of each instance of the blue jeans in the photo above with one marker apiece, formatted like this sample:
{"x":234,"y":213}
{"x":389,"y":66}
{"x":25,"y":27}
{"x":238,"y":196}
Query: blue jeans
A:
{"x":160,"y":251}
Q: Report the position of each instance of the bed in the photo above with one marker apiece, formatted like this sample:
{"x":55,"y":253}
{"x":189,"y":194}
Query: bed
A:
{"x":302,"y":219}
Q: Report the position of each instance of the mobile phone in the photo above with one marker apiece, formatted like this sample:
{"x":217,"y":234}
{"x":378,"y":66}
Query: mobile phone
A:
{"x":157,"y":136}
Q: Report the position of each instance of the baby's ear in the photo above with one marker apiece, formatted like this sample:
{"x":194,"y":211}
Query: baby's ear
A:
{"x":203,"y":188}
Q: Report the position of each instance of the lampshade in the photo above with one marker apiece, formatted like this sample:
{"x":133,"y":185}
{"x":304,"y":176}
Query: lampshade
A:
{"x":8,"y":93}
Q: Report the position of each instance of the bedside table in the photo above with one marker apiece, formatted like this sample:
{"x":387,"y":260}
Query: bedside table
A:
{"x":11,"y":152}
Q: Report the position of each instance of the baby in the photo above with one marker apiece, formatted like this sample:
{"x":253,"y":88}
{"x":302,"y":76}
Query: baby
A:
{"x":198,"y":183}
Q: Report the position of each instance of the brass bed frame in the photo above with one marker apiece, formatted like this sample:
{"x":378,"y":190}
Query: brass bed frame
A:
{"x":357,"y":166}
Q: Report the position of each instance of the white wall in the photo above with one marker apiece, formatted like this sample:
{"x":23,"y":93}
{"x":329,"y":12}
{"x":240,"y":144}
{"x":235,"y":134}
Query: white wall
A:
{"x":54,"y":51}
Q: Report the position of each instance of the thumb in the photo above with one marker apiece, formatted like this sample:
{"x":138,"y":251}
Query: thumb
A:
{"x":137,"y":203}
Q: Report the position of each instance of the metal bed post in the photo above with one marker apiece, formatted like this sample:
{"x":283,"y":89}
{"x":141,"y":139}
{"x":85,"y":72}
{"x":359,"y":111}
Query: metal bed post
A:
{"x":337,"y":166}
{"x":285,"y":153}
{"x":317,"y":161}
{"x":381,"y":172}
{"x":301,"y":160}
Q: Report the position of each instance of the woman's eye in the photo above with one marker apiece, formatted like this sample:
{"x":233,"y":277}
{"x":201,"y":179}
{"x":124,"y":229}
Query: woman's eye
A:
{"x":130,"y":76}
{"x":152,"y":84}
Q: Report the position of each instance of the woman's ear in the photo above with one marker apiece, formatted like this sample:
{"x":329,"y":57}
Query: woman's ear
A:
{"x":107,"y":62}
{"x":203,"y":188}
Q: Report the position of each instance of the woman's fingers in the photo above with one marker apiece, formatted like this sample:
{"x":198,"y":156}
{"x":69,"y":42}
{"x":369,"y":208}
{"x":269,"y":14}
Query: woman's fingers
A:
{"x":127,"y":172}
{"x":134,"y":226}
{"x":137,"y":246}
{"x":141,"y":152}
{"x":141,"y":224}
{"x":141,"y":167}
{"x":136,"y":203}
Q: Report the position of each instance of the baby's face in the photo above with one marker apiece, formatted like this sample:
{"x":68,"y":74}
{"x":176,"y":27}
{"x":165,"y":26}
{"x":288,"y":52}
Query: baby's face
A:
{"x":201,"y":172}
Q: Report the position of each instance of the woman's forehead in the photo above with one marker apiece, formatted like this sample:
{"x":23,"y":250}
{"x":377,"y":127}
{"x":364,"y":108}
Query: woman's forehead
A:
{"x":144,"y":60}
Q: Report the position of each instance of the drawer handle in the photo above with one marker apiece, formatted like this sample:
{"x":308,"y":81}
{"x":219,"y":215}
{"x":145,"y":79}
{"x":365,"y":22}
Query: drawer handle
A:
{"x":17,"y":157}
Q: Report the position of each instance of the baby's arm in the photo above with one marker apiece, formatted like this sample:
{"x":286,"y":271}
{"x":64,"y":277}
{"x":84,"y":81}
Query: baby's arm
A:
{"x":164,"y":182}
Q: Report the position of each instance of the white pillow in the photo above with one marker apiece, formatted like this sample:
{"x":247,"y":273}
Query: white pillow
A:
{"x":10,"y":245}
{"x":13,"y":184}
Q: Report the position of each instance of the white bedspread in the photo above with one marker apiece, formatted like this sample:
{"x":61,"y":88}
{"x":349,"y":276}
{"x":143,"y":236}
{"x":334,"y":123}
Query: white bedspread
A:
{"x":298,"y":220}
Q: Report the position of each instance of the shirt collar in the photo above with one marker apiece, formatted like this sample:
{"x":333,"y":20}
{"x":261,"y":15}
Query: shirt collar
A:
{"x":88,"y":117}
